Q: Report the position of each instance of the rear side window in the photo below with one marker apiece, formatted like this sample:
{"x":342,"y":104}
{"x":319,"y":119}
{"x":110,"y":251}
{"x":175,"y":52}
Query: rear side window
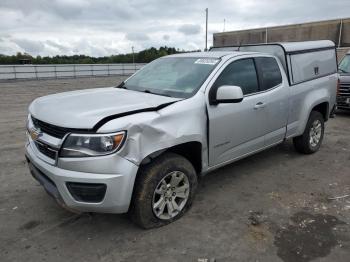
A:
{"x":312,"y":65}
{"x":240,"y":73}
{"x":269,"y":72}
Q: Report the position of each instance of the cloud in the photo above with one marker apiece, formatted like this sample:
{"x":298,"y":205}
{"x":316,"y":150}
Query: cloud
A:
{"x":30,"y":46}
{"x":190,"y":29}
{"x":61,"y":48}
{"x":134,"y":36}
{"x":106,"y":27}
{"x":68,"y":8}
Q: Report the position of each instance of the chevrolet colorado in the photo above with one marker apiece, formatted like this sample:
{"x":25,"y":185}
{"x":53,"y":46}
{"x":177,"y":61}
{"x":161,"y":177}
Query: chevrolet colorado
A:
{"x":140,"y":147}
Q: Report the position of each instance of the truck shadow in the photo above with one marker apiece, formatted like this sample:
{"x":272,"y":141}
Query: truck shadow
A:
{"x":345,"y":113}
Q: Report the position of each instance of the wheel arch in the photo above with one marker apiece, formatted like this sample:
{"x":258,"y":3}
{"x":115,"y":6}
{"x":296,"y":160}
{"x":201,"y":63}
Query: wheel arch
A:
{"x":323,"y":108}
{"x":320,"y":105}
{"x":192,"y":151}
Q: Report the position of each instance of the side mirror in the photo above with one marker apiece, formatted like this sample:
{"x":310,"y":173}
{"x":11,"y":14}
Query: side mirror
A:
{"x":228,"y":94}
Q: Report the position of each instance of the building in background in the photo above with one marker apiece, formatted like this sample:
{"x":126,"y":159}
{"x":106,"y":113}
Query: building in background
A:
{"x":336,"y":30}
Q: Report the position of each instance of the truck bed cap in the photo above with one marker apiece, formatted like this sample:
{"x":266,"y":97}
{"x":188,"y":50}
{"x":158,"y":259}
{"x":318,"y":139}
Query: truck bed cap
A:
{"x":291,"y":47}
{"x":301,"y":61}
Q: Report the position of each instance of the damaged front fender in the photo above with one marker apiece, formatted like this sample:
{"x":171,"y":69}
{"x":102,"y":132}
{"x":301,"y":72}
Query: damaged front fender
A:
{"x":149,"y":132}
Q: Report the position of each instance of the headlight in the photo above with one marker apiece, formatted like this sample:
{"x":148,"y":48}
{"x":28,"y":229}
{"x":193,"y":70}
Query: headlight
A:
{"x":83,"y":145}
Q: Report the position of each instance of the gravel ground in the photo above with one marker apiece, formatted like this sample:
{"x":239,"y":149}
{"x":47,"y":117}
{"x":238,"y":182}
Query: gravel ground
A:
{"x":277,"y":205}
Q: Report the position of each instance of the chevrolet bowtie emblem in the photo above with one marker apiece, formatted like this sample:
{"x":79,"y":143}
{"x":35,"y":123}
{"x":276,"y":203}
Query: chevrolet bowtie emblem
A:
{"x":34,"y":134}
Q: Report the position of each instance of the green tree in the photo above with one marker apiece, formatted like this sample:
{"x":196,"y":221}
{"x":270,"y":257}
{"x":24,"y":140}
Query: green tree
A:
{"x":144,"y":56}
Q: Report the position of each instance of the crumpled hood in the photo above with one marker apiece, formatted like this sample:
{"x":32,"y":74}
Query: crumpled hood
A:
{"x":85,"y":108}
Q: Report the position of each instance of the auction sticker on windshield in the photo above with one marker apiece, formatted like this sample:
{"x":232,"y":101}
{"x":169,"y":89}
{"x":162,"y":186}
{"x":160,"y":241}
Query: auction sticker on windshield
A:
{"x":206,"y":61}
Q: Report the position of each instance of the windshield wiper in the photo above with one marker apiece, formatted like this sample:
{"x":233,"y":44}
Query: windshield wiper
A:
{"x":150,"y":92}
{"x":343,"y":71}
{"x":121,"y":85}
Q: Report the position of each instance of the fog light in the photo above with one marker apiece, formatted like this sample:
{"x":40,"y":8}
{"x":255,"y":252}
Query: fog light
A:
{"x":87,"y":192}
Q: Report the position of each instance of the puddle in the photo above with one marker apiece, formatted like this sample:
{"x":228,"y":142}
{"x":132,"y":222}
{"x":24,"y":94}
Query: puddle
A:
{"x":307,"y":237}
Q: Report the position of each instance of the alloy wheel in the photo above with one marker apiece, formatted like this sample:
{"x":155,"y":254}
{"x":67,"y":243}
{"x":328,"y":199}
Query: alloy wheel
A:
{"x":171,"y":195}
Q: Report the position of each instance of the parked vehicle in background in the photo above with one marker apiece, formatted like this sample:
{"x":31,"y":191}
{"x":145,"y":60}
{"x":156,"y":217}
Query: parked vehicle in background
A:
{"x":140,"y":147}
{"x":343,"y":97}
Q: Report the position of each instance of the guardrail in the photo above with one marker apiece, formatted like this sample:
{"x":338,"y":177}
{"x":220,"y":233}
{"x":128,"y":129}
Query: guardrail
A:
{"x":16,"y":72}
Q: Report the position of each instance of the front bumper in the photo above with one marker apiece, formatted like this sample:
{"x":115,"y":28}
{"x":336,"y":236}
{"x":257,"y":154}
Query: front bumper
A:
{"x":343,"y":102}
{"x":118,"y":175}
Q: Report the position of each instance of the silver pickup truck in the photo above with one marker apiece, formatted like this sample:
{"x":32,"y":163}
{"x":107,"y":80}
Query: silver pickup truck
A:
{"x":343,"y":97}
{"x":140,"y":147}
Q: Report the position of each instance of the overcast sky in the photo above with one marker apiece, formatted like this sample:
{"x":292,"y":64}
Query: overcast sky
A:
{"x":105,"y":27}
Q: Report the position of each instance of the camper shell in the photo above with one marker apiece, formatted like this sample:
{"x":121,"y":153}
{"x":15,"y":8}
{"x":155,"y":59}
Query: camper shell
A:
{"x":302,"y":61}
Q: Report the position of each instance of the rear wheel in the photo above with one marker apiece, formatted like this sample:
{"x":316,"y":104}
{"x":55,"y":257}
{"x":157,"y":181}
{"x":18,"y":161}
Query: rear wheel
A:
{"x":164,"y":190}
{"x":310,"y":141}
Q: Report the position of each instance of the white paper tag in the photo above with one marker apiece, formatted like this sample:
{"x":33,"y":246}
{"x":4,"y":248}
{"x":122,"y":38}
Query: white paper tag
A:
{"x":206,"y":61}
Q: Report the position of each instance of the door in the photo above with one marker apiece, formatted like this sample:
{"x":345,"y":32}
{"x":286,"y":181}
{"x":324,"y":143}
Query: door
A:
{"x":236,"y":129}
{"x":277,"y":93}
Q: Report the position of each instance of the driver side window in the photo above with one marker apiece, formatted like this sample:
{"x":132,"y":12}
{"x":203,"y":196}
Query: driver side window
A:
{"x":240,"y":73}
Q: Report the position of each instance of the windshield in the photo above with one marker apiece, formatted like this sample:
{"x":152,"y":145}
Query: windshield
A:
{"x":173,"y":76}
{"x":344,"y":66}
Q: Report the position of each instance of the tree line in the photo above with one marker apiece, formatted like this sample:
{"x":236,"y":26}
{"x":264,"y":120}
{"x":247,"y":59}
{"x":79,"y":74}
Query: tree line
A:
{"x":144,"y":56}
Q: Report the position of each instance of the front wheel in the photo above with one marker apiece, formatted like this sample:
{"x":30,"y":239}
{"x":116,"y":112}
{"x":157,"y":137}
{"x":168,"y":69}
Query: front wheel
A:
{"x":164,"y":190}
{"x":310,"y":141}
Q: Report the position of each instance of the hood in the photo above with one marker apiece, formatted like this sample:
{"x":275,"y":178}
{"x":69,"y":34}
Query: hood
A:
{"x":85,"y":108}
{"x":344,"y":78}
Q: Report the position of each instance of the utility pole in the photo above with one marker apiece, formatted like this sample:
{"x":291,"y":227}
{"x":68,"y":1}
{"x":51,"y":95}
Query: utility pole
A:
{"x":340,"y":32}
{"x":224,"y":24}
{"x":133,"y":55}
{"x":206,"y":29}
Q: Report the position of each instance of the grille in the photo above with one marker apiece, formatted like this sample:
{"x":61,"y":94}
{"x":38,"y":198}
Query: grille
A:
{"x":46,"y":150}
{"x":344,"y":89}
{"x":55,"y":131}
{"x":343,"y":95}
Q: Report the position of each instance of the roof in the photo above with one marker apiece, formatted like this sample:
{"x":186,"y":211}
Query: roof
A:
{"x":211,"y":54}
{"x":306,"y":45}
{"x":288,"y":47}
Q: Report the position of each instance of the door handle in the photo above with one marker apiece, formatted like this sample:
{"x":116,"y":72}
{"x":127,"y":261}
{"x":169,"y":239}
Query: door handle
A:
{"x":259,"y":105}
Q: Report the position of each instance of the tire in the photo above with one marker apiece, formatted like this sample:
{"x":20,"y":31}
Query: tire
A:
{"x":158,"y":175}
{"x":304,"y":144}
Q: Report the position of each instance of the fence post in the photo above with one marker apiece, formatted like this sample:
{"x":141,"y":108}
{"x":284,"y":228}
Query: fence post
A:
{"x":14,"y":71}
{"x":55,"y":68}
{"x":123,"y":71}
{"x":74,"y":72}
{"x":36,"y":72}
{"x":108,"y":72}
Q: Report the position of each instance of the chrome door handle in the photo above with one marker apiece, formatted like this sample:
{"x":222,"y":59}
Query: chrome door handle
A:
{"x":259,"y":105}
